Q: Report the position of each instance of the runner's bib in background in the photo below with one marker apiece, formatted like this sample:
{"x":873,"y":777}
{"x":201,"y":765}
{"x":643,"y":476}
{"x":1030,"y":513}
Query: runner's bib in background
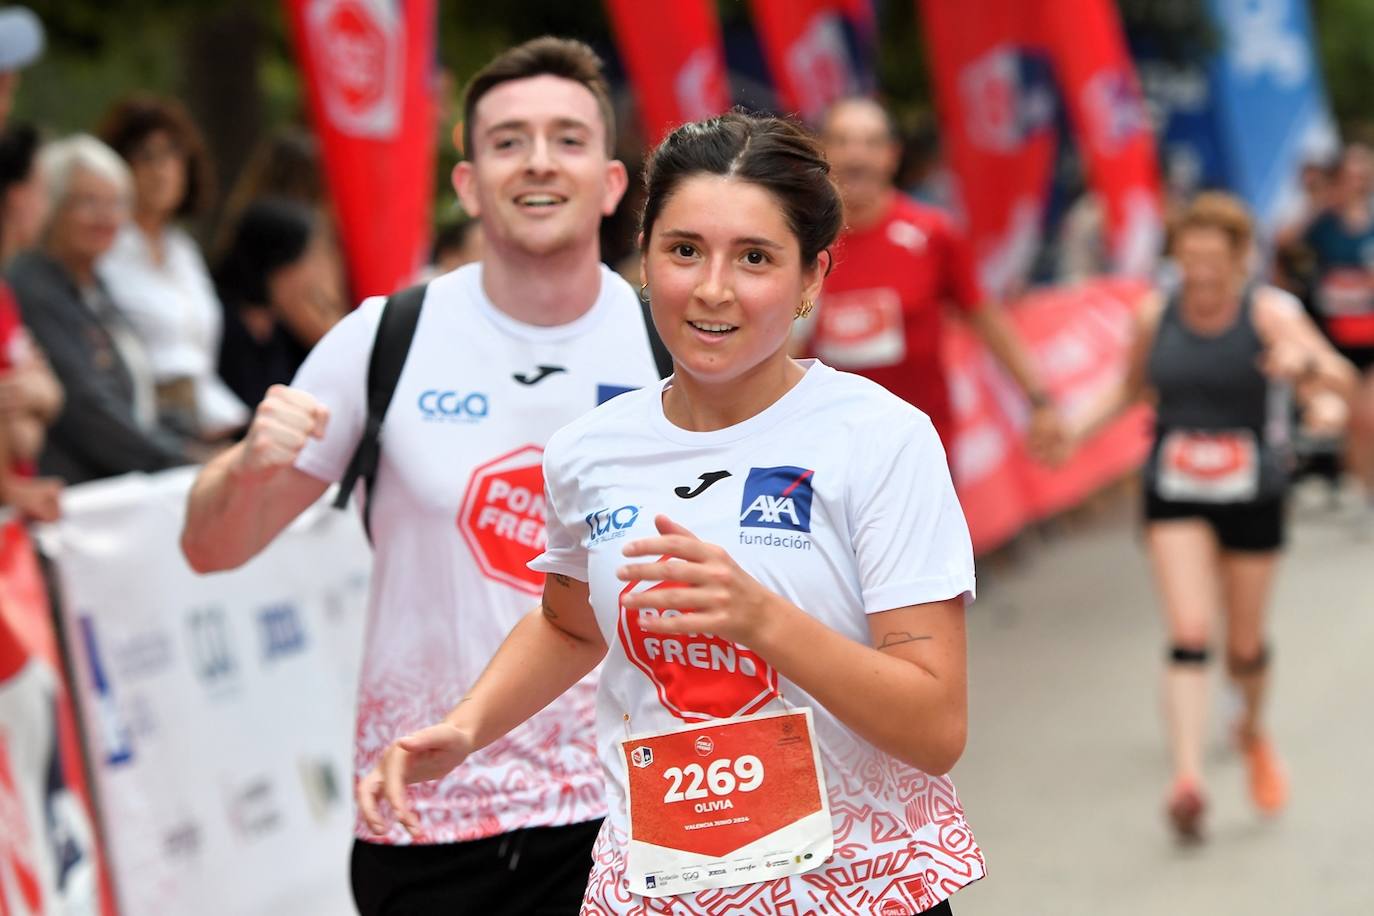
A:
{"x":736,"y":801}
{"x":861,"y":329}
{"x":1209,"y":467}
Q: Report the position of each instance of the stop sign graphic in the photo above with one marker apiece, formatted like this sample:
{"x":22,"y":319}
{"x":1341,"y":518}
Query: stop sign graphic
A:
{"x":502,"y":517}
{"x":698,"y":677}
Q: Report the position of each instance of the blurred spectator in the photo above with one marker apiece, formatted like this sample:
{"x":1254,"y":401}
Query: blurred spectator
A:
{"x":455,"y":244}
{"x":267,"y":281}
{"x":155,"y":272}
{"x":30,"y":396}
{"x":287,"y":166}
{"x":108,"y":425}
{"x":1341,"y":245}
{"x":21,"y":43}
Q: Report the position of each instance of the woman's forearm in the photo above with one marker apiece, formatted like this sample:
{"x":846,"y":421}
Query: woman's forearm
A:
{"x":535,"y":665}
{"x":897,"y":706}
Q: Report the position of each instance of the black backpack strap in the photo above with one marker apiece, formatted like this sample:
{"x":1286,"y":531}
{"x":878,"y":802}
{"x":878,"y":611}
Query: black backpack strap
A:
{"x":390,"y":346}
{"x":663,"y":360}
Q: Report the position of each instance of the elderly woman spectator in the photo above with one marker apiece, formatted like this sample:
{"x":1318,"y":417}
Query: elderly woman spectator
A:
{"x":108,"y":425}
{"x":155,"y":272}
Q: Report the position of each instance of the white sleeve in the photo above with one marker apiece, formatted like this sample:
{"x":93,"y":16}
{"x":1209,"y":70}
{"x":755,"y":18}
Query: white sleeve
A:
{"x":335,"y":373}
{"x":564,"y":552}
{"x":910,"y":537}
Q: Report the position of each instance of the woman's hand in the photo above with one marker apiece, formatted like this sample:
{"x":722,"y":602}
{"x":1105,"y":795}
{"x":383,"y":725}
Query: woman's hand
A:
{"x":724,"y":600}
{"x":430,"y":753}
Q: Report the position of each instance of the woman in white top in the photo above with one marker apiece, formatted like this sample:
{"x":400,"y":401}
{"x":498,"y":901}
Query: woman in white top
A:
{"x":155,"y":272}
{"x":781,"y":745}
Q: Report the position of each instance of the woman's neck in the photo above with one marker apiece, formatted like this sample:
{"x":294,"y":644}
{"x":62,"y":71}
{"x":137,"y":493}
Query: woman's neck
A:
{"x":704,"y":406}
{"x":154,"y":228}
{"x":1211,"y":312}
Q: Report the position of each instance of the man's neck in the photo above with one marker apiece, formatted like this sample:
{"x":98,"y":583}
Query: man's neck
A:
{"x":864,"y":214}
{"x":544,"y":290}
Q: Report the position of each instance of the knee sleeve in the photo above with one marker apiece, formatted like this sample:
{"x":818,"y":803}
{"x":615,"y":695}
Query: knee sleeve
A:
{"x":1187,"y":655}
{"x":1240,"y":666}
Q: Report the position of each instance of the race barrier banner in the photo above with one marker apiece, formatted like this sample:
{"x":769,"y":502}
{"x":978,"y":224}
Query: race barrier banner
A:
{"x":676,"y":61}
{"x":368,"y":68}
{"x":1078,"y":337}
{"x":49,"y":855}
{"x":217,"y":710}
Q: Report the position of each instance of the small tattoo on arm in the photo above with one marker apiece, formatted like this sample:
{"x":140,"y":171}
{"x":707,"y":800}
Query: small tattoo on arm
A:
{"x":549,"y":613}
{"x":898,"y":639}
{"x":565,"y":581}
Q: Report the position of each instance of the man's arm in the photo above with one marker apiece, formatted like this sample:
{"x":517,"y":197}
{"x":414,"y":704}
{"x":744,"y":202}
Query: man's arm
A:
{"x":1046,"y":430}
{"x":245,"y":497}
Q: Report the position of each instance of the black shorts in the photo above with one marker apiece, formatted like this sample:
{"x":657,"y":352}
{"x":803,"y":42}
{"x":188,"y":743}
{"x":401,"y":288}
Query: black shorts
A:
{"x":541,"y":871}
{"x":1248,"y":527}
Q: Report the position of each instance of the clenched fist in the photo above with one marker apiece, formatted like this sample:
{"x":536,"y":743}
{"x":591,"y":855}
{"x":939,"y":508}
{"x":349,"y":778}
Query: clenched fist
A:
{"x":284,"y":422}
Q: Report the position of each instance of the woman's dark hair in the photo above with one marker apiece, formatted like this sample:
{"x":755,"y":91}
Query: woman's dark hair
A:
{"x":134,"y":119}
{"x":18,"y":150}
{"x":776,"y":154}
{"x":271,"y":234}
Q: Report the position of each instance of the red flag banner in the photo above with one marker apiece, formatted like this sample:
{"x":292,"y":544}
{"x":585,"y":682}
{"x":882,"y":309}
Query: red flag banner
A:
{"x":996,"y":104}
{"x":1079,"y":338}
{"x":675,"y":59}
{"x":1113,"y":129}
{"x":804,"y":44}
{"x":369,"y":72}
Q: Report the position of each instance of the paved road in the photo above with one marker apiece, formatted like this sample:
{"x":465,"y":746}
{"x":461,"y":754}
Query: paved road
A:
{"x":1065,"y":772}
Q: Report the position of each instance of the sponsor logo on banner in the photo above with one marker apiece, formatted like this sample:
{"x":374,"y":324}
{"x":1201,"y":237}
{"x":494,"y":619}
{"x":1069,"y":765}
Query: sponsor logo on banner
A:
{"x":777,"y":497}
{"x":438,"y":406}
{"x":361,"y":58}
{"x":282,"y":631}
{"x":211,"y":653}
{"x":253,"y":808}
{"x":142,"y":654}
{"x":700,"y":85}
{"x":610,"y":524}
{"x":321,"y":784}
{"x":818,"y":65}
{"x":1008,"y":96}
{"x":115,"y":734}
{"x":698,"y":677}
{"x":1265,"y":41}
{"x":1116,"y":111}
{"x":502,"y":517}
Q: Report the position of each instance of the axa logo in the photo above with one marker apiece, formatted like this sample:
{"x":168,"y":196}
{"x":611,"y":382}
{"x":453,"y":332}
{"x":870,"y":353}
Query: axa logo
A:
{"x":211,"y":654}
{"x":609,"y":524}
{"x":453,"y":406}
{"x":282,"y":631}
{"x":777,"y":498}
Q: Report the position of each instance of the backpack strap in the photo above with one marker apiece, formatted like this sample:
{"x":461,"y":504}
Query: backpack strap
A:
{"x":663,"y":360}
{"x":390,"y":346}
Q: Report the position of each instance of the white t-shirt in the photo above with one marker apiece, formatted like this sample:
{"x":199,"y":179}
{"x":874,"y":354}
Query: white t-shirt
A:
{"x":838,"y":498}
{"x":176,"y":314}
{"x":458,"y":514}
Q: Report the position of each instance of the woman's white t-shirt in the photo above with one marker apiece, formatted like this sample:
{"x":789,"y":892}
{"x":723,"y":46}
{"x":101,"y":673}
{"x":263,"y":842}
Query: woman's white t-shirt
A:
{"x":837,"y":497}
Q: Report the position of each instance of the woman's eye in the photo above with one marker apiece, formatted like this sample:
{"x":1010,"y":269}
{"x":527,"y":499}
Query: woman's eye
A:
{"x":756,"y":257}
{"x":684,"y":250}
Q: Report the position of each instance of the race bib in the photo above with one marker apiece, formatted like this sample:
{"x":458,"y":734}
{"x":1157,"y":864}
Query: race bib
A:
{"x":861,"y":329}
{"x":1208,"y":467}
{"x":736,"y":801}
{"x":1346,"y":292}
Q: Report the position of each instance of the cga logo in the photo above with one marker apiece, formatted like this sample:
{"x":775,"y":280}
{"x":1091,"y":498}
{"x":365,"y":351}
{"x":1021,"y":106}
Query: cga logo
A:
{"x":777,"y":498}
{"x":450,"y":406}
{"x":609,"y":524}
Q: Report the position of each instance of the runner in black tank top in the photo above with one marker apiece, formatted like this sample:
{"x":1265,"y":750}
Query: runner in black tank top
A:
{"x":1222,"y":361}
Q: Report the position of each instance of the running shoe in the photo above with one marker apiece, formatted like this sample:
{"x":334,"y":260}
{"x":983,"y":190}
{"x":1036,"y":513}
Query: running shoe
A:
{"x":1185,"y":808}
{"x":1268,"y":782}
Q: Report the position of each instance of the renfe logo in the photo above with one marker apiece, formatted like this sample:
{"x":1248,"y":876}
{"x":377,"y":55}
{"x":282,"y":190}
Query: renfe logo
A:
{"x":502,"y":517}
{"x":777,"y":498}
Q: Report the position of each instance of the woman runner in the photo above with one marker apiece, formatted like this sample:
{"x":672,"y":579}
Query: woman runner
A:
{"x":773,"y":555}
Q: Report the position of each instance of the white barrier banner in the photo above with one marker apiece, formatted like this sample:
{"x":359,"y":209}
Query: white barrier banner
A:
{"x":218,"y":709}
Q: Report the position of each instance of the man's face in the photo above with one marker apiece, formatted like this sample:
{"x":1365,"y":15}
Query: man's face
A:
{"x":862,"y":151}
{"x":538,"y":175}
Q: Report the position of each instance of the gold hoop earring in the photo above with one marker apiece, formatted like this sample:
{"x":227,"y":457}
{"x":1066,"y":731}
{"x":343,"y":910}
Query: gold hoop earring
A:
{"x":644,"y":292}
{"x":805,"y":308}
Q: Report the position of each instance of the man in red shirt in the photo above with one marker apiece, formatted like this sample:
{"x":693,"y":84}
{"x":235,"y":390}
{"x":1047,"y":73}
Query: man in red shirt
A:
{"x":898,"y":265}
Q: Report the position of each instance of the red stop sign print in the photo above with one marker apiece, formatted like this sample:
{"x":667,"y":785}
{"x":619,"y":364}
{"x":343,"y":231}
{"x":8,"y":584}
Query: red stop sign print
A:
{"x":698,"y":677}
{"x":502,"y":517}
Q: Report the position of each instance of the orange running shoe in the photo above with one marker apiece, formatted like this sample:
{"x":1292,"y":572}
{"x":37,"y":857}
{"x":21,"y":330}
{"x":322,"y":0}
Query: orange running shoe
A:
{"x":1185,"y":808}
{"x":1268,"y":782}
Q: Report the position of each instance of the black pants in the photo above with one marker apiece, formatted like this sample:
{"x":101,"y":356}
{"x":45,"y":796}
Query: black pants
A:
{"x":541,"y":871}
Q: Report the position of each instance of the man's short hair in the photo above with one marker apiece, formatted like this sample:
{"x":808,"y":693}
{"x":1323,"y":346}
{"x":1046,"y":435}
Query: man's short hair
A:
{"x":561,"y":57}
